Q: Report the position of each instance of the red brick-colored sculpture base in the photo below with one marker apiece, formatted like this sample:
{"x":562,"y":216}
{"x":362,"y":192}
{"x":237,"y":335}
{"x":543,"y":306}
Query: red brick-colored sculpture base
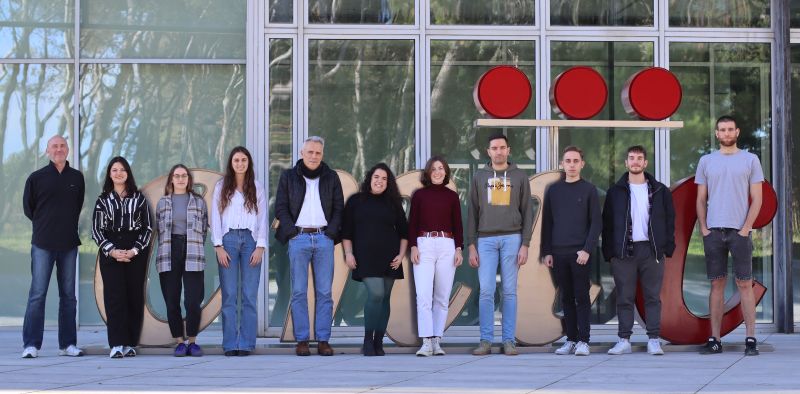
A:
{"x":679,"y":325}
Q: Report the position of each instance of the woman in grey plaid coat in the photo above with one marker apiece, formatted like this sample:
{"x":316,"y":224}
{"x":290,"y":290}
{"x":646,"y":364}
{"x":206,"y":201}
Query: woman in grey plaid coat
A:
{"x":182,"y":220}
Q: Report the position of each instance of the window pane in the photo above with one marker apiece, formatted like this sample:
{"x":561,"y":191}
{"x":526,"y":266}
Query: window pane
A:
{"x":395,"y":12}
{"x":280,"y":11}
{"x":720,"y":79}
{"x":175,"y":29}
{"x":35,"y":104}
{"x":719,"y":13}
{"x":482,"y":12}
{"x":602,"y":13}
{"x":604,"y":149}
{"x":455,"y":68}
{"x":795,"y":56}
{"x":361,"y":100}
{"x":155,"y":116}
{"x":280,"y":158}
{"x":36,"y":29}
{"x":794,"y":13}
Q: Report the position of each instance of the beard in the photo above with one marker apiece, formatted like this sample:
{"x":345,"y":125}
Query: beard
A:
{"x":728,"y":142}
{"x":636,"y":171}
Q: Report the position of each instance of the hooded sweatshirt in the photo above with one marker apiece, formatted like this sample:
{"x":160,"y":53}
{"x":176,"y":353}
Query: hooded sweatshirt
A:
{"x":499,"y":204}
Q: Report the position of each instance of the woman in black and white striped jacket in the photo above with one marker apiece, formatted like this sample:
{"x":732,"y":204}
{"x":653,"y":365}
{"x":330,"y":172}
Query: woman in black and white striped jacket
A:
{"x":121,"y":228}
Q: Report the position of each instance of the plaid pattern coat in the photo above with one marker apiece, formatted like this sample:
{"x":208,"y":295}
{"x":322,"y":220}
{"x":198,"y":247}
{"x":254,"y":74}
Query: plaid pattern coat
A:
{"x":196,"y":230}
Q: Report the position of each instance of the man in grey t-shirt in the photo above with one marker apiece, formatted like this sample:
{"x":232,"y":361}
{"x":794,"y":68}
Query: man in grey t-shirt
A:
{"x":726,"y":180}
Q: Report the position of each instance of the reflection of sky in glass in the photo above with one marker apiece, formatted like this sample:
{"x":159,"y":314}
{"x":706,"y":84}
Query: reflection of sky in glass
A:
{"x":199,"y":29}
{"x":36,"y":99}
{"x":40,"y":29}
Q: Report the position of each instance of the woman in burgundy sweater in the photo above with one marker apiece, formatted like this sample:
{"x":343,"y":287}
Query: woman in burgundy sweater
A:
{"x":436,"y":238}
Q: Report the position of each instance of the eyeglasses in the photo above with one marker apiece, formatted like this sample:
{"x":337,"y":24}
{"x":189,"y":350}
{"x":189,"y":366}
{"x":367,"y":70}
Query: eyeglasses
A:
{"x":180,"y":176}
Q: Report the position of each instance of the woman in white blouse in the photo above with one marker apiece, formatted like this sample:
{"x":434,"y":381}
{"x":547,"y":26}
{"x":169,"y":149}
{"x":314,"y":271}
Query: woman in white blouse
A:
{"x":239,"y":232}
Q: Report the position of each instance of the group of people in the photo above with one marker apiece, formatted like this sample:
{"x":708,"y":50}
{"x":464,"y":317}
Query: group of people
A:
{"x":637,"y":225}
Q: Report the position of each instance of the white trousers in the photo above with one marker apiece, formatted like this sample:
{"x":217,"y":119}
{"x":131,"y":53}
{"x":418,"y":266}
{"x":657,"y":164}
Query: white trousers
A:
{"x":433,"y":279}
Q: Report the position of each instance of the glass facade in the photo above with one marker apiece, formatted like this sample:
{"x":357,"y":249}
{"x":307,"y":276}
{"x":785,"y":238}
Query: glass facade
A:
{"x":381,"y":80}
{"x":171,"y":89}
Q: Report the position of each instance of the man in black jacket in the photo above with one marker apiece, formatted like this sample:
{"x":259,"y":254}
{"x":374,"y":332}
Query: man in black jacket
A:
{"x":638,"y":231}
{"x":308,"y":206}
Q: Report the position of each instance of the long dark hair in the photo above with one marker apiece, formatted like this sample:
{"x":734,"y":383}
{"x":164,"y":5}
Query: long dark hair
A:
{"x":130,"y":182}
{"x":392,"y":192}
{"x":229,"y":183}
{"x":425,"y":178}
{"x":169,"y":188}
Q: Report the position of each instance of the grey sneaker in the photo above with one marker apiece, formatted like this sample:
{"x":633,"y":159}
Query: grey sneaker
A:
{"x":654,"y":347}
{"x":567,"y":348}
{"x":116,"y":352}
{"x":623,"y":346}
{"x":437,"y":347}
{"x":427,"y":348}
{"x":30,"y":352}
{"x":484,"y":348}
{"x":71,"y":351}
{"x":582,"y":349}
{"x":510,"y":348}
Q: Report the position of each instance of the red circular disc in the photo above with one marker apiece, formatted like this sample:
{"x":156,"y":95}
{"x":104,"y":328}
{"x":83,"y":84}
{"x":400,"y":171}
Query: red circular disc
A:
{"x":652,"y":94}
{"x":502,"y":92}
{"x":578,"y":93}
{"x":769,"y":206}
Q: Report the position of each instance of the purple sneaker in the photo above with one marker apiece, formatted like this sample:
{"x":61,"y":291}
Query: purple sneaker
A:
{"x":181,"y":350}
{"x":194,"y":350}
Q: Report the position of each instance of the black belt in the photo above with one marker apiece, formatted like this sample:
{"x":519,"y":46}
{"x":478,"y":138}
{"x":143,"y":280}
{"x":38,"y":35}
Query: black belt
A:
{"x":310,"y":230}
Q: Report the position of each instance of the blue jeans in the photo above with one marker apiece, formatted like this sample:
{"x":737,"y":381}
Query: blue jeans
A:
{"x":240,"y":245}
{"x":500,"y":249}
{"x":317,"y":249}
{"x":42,"y":262}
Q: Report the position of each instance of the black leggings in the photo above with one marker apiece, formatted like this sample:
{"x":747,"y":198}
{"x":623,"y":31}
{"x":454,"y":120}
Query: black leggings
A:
{"x":193,"y":288}
{"x":376,"y":310}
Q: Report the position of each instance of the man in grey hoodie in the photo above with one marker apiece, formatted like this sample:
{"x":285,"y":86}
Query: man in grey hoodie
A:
{"x":499,"y":230}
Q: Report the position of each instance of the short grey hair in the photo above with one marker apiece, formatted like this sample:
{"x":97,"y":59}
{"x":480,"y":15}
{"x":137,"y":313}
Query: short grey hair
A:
{"x":315,"y":138}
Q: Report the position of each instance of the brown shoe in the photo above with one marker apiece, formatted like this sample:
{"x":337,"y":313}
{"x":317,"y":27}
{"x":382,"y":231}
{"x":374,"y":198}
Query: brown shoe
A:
{"x":302,"y":349}
{"x":324,"y":349}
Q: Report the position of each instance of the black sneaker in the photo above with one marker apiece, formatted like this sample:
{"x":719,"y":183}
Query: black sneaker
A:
{"x":750,"y":347}
{"x":713,"y":346}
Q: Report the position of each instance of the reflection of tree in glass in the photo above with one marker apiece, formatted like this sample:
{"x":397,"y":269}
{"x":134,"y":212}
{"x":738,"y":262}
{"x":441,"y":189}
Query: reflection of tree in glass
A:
{"x":601,"y":12}
{"x":399,"y":12}
{"x":482,"y":12}
{"x":361,"y":100}
{"x":719,"y":13}
{"x":35,"y":104}
{"x":36,"y":29}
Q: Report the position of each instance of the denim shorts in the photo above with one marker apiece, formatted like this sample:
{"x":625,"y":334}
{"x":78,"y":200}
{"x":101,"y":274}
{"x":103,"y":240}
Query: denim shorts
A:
{"x":718,"y":243}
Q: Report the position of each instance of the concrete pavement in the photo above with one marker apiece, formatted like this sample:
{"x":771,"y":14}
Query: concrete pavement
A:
{"x":683,"y":371}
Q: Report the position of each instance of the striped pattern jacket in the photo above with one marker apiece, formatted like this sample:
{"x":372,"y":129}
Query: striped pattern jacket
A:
{"x":114,"y":214}
{"x":196,"y":230}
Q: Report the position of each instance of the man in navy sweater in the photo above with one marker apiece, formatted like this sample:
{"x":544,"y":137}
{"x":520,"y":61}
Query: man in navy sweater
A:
{"x":571,"y":224}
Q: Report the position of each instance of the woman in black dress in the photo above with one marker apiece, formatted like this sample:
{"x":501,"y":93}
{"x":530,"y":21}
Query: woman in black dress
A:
{"x":374,"y":236}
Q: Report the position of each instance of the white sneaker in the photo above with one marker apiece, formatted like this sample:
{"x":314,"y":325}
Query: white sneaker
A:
{"x":116,"y":352}
{"x":623,"y":346}
{"x":567,"y":348}
{"x":30,"y":352}
{"x":654,"y":347}
{"x":437,"y":347}
{"x":582,"y":349}
{"x":71,"y":351}
{"x":427,"y":349}
{"x":128,"y":351}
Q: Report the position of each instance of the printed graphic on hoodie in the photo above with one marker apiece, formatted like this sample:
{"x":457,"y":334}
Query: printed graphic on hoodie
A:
{"x":498,"y":191}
